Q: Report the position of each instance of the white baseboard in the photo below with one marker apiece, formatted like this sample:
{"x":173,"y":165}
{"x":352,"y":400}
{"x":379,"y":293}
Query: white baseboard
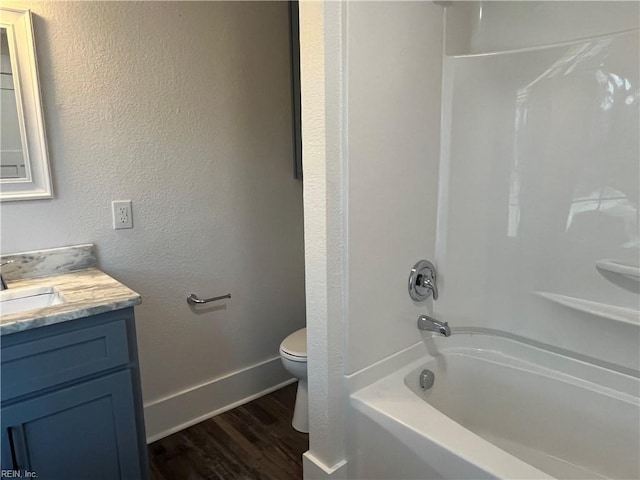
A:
{"x":196,"y":404}
{"x":314,"y":469}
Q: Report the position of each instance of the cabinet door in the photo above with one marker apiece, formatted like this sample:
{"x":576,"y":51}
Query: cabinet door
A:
{"x":84,"y":431}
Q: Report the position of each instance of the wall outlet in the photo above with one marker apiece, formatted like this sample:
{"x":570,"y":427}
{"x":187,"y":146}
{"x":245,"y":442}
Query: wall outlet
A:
{"x":121,"y":211}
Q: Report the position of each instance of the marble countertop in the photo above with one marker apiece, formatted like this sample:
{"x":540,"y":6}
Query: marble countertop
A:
{"x":85,"y":292}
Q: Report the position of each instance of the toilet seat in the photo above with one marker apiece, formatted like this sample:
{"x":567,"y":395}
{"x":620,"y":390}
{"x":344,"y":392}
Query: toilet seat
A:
{"x":294,"y":347}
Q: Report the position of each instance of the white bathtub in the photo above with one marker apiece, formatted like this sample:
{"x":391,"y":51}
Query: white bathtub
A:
{"x":498,"y":408}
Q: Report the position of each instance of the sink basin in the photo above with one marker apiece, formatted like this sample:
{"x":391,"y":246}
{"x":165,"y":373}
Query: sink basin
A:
{"x":19,"y":300}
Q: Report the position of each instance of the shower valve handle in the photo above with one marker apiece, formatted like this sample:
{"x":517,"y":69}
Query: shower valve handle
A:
{"x":430,"y":283}
{"x":423,"y":281}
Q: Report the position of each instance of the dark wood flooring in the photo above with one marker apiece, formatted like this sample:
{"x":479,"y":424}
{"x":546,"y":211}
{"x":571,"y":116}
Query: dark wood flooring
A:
{"x":252,"y":442}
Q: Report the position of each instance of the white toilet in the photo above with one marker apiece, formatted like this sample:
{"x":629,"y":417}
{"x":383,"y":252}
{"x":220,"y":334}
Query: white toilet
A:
{"x":293,"y":352}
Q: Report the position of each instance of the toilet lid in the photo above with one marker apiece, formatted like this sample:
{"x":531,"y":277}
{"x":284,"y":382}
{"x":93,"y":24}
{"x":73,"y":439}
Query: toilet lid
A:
{"x":295,"y":344}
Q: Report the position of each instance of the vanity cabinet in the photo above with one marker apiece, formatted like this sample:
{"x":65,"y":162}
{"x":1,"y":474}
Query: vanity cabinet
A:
{"x":71,"y":400}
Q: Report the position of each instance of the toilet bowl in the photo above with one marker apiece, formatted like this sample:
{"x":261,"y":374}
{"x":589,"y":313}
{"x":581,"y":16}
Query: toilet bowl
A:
{"x":293,"y":352}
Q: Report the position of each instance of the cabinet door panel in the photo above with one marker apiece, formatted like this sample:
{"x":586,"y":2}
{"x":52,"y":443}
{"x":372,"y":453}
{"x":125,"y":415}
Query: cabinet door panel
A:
{"x":84,"y":431}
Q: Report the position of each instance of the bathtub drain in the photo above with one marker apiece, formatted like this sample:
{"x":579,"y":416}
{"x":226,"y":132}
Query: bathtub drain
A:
{"x":427,"y":377}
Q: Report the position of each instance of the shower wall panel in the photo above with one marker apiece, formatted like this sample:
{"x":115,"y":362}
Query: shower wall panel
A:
{"x":538,"y":206}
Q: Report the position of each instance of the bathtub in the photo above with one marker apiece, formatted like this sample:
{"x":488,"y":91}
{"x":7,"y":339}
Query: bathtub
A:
{"x":499,"y":408}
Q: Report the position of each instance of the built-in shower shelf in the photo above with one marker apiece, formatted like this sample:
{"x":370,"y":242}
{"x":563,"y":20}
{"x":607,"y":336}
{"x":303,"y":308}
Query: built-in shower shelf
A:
{"x":604,"y":310}
{"x":613,"y":266}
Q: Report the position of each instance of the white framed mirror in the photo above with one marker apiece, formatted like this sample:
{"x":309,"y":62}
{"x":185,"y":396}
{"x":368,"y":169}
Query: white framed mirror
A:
{"x":24,"y":160}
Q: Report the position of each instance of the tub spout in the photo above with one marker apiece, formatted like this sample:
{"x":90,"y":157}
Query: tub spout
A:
{"x":432,"y":325}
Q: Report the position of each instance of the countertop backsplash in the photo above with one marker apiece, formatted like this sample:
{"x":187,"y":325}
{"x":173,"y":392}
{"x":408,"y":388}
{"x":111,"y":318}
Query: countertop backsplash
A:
{"x":45,"y":263}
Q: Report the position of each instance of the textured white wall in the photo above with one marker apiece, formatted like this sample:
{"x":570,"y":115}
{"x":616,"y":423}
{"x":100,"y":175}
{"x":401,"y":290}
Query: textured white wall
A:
{"x":394,"y":70}
{"x":371,"y":84}
{"x":185,"y":109}
{"x":322,"y":106}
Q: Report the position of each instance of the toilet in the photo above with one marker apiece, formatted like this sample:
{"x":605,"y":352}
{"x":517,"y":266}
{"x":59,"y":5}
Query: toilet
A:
{"x":293,"y":352}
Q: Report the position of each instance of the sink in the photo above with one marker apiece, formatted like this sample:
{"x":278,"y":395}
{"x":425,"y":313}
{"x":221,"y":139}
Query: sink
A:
{"x":19,"y":300}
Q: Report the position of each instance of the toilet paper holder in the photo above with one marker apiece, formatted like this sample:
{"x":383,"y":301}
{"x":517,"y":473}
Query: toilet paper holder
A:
{"x":193,"y":299}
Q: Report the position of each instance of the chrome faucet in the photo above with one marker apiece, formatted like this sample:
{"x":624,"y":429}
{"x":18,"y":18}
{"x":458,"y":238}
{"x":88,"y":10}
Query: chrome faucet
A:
{"x":429,"y":324}
{"x":3,"y":284}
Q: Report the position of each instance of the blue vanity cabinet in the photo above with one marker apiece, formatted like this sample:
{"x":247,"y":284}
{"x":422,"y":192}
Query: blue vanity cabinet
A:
{"x":71,"y":400}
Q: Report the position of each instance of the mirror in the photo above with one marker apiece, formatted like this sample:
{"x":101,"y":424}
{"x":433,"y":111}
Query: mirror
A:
{"x":11,"y":154}
{"x":24,"y":162}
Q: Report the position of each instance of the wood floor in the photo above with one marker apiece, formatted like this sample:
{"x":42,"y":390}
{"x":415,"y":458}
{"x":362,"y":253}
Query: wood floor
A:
{"x":251,"y":442}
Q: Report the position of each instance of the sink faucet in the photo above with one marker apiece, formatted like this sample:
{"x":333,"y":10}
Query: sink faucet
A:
{"x":432,"y":325}
{"x":3,"y":284}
